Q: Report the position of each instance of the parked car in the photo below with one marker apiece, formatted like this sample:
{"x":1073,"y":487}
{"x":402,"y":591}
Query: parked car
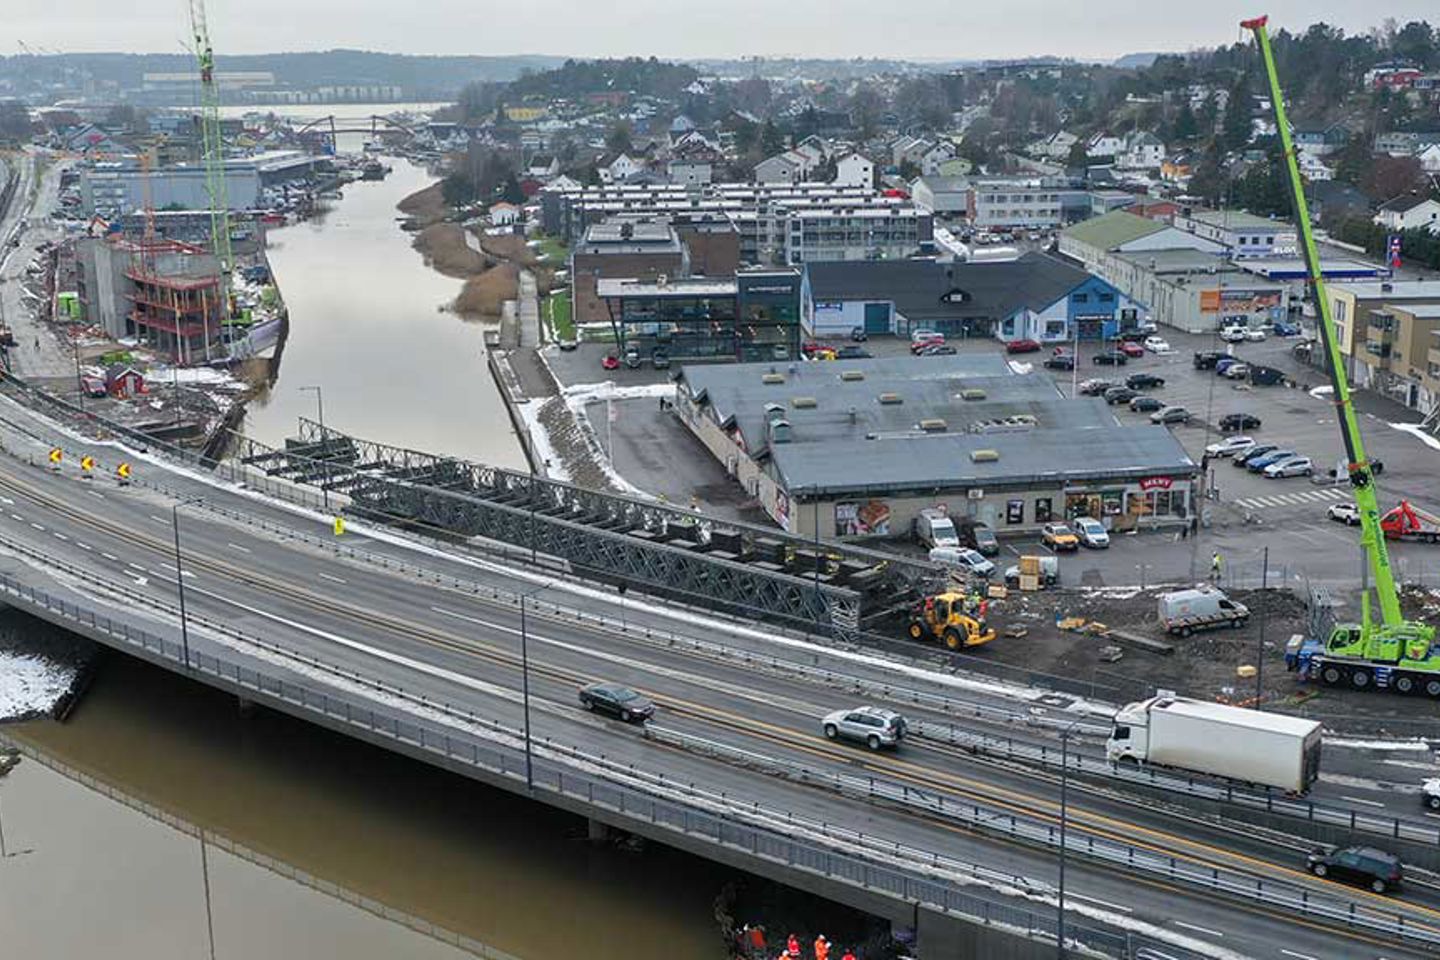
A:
{"x":1255,"y":334}
{"x":1095,"y":387}
{"x":858,"y":334}
{"x":1362,"y":866}
{"x":1143,"y":381}
{"x":1059,"y":536}
{"x":934,"y":340}
{"x":852,"y":352}
{"x":1171,"y":415}
{"x":1346,"y":513}
{"x":568,"y":343}
{"x":1289,"y":467}
{"x":610,"y":362}
{"x":1266,"y":376}
{"x":1144,"y":404}
{"x":1024,"y":345}
{"x":1239,"y":421}
{"x":1061,"y":361}
{"x":1206,"y":359}
{"x":1225,"y":363}
{"x":632,"y":357}
{"x":1132,"y":349}
{"x":963,"y":559}
{"x":1233,"y":334}
{"x":1110,"y":358}
{"x":1120,"y":395}
{"x":1257,"y":464}
{"x":925,"y":336}
{"x":1231,"y":446}
{"x":1256,"y":452}
{"x":1285,"y":329}
{"x":1092,"y":533}
{"x":978,"y":536}
{"x":875,"y":727}
{"x":937,"y":350}
{"x":1236,"y":371}
{"x":659,"y":359}
{"x":618,"y":701}
{"x":1157,"y":345}
{"x":811,"y":347}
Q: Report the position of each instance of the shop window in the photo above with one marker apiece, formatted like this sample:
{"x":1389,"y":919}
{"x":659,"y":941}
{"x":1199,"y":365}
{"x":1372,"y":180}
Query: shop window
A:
{"x":1015,"y":511}
{"x":1042,"y":510}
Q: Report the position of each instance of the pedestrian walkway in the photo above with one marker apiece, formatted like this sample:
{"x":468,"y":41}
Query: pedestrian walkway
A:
{"x":1325,"y":495}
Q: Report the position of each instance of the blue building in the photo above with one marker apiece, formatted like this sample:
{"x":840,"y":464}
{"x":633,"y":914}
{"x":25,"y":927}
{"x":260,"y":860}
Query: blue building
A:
{"x":1036,"y":297}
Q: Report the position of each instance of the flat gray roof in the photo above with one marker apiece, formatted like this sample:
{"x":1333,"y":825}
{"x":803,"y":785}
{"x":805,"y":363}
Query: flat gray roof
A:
{"x":1421,"y":311}
{"x":1392,"y":290}
{"x":1183,"y":260}
{"x":1237,"y":220}
{"x":682,"y":287}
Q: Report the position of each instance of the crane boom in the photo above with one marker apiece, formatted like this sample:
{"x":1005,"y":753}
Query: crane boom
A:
{"x":1362,"y":478}
{"x":212,"y":142}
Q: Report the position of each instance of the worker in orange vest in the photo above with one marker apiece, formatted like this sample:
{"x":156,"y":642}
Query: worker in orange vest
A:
{"x":822,"y":948}
{"x":792,"y":946}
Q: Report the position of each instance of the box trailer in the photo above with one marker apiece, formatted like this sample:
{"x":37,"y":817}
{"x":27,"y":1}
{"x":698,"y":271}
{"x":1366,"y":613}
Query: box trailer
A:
{"x":1219,"y":740}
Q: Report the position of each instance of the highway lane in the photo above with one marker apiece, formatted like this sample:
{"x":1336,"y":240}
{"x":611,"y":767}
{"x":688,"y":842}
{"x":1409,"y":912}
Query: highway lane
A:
{"x":564,"y":694}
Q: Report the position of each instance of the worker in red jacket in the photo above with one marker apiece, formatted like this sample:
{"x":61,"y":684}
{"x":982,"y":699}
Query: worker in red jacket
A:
{"x":849,"y":955}
{"x":792,"y":946}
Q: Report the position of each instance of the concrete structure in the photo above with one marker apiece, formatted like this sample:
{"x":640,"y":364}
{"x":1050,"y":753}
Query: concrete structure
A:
{"x":1396,"y":359}
{"x":1195,"y":291}
{"x":856,"y":233}
{"x":114,"y":189}
{"x":711,"y":241}
{"x":945,"y":196}
{"x":861,"y":447}
{"x":1352,"y":306}
{"x":1243,"y":234}
{"x":1035,"y":296}
{"x":1014,"y":203}
{"x":166,"y":296}
{"x":1413,"y":211}
{"x":637,"y":249}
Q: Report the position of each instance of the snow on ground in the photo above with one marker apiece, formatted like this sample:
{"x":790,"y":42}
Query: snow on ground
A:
{"x":578,"y":395}
{"x":1020,"y":367}
{"x":1419,"y":433}
{"x":31,"y":685}
{"x":540,"y":440}
{"x":207,"y":376}
{"x":1322,"y":393}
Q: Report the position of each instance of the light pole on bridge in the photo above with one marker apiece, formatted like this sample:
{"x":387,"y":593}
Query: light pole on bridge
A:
{"x":1065,"y":735}
{"x":180,"y":574}
{"x":525,"y":684}
{"x":324,"y":441}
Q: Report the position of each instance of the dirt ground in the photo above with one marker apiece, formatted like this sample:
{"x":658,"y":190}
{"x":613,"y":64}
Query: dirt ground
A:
{"x":444,"y":248}
{"x":484,"y":296}
{"x":425,"y":206}
{"x":1204,"y":665}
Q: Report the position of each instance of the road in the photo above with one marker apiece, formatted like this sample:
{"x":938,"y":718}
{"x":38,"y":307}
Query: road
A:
{"x":460,"y":647}
{"x":38,"y":352}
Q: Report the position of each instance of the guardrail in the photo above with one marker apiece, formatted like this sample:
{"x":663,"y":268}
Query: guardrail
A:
{"x":1033,"y":830}
{"x":562,"y":770}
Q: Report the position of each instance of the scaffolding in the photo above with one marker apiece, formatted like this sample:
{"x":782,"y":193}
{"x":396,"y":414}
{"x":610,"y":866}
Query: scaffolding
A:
{"x":177,"y":302}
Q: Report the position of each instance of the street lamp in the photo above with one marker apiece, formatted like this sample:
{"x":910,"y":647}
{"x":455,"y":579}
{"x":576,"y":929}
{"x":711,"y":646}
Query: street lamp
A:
{"x":1064,"y":798}
{"x":324,"y":445}
{"x":180,"y":575}
{"x":525,"y":683}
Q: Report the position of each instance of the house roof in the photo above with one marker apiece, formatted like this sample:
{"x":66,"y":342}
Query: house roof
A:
{"x":946,"y":184}
{"x":1404,"y":203}
{"x":925,"y":290}
{"x":1113,"y":230}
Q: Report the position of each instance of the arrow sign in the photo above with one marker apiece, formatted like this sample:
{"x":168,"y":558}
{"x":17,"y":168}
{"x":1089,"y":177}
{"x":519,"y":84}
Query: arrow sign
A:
{"x":123,"y":471}
{"x":87,"y":464}
{"x":56,"y":454}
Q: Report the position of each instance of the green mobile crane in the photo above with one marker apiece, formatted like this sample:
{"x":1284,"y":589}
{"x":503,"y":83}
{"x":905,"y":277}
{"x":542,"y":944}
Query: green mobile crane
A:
{"x":1396,"y":653}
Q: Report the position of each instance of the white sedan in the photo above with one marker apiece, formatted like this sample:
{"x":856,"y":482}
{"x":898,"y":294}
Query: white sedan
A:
{"x":1289,"y":467}
{"x":1157,"y":345}
{"x":1232,"y":334}
{"x":1255,"y":333}
{"x":1231,"y":446}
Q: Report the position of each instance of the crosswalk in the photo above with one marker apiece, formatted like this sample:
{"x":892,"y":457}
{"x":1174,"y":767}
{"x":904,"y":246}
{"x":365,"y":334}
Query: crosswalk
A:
{"x":1324,"y":495}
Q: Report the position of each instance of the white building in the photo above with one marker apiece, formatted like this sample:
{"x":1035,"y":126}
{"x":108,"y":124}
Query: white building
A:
{"x":1014,"y":203}
{"x":1430,"y":158}
{"x":622,"y":167}
{"x":1410,"y":212}
{"x":1104,"y":145}
{"x":947,"y":196}
{"x":1143,"y":151}
{"x":939,"y":153}
{"x":854,"y":170}
{"x":781,"y":168}
{"x":1244,"y":234}
{"x":691,"y":172}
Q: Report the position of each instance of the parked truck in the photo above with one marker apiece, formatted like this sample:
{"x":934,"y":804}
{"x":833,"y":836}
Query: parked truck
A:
{"x":1184,"y":612}
{"x":1409,"y":522}
{"x":1270,"y":749}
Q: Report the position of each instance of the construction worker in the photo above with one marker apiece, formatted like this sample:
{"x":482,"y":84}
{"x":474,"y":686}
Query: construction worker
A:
{"x":849,"y":955}
{"x":792,"y":946}
{"x":1215,"y":566}
{"x":822,"y":948}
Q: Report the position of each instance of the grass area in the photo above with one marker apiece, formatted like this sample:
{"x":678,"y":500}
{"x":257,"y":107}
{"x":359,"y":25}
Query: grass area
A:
{"x":553,"y":251}
{"x":561,"y":321}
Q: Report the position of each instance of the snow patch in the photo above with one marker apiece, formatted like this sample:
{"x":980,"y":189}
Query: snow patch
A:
{"x":1419,"y":433}
{"x":1019,"y":367}
{"x":31,"y":685}
{"x":1321,"y":393}
{"x":580,"y":394}
{"x":1415,"y":744}
{"x":544,"y":450}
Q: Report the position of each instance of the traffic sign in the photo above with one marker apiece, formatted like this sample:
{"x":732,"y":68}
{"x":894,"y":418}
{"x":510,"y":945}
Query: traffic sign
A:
{"x":339,"y":526}
{"x":123,"y":471}
{"x":56,"y":454}
{"x":87,"y":464}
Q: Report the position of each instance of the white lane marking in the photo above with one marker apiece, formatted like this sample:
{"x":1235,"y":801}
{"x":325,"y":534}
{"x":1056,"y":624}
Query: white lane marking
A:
{"x":96,"y":493}
{"x":1191,"y":926}
{"x":141,"y":581}
{"x":109,"y":556}
{"x":332,"y":578}
{"x":18,"y":517}
{"x":1297,"y":956}
{"x":159,"y":519}
{"x":1368,"y":803}
{"x":60,"y":536}
{"x":236,"y":546}
{"x":1098,"y":902}
{"x":134,"y":566}
{"x":84,"y":546}
{"x":7,"y":501}
{"x":37,"y":526}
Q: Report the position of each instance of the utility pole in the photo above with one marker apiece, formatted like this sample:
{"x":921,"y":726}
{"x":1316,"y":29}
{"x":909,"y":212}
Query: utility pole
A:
{"x":1260,"y":643}
{"x":525,"y":685}
{"x":1064,"y":811}
{"x":180,"y":576}
{"x":324,"y":442}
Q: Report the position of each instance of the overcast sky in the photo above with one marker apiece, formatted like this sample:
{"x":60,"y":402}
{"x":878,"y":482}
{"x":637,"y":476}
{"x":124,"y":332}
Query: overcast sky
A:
{"x":918,"y":29}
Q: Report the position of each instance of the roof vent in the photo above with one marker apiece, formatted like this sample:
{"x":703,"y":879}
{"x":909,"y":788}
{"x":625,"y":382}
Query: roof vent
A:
{"x":779,"y":430}
{"x":984,"y":456}
{"x":803,"y":403}
{"x":889,"y":398}
{"x":972,"y":393}
{"x":772,"y":378}
{"x":852,"y":375}
{"x":933,"y":425}
{"x":774,"y":411}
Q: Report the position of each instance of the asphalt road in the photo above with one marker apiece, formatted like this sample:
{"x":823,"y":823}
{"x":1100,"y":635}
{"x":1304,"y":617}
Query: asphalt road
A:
{"x":460,"y":648}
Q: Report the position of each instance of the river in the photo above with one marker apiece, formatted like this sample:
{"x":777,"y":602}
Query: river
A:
{"x":367,"y":327}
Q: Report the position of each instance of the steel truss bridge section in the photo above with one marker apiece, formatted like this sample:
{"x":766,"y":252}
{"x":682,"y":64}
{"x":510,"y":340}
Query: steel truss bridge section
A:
{"x":665,"y":552}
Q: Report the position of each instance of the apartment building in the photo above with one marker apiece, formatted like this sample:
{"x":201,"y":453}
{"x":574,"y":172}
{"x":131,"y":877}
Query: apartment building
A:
{"x":1028,"y":204}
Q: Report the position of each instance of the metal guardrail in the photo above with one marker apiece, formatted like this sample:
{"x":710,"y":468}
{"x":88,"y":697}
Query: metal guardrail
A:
{"x":1033,"y":830}
{"x":238,"y":850}
{"x":562,"y":771}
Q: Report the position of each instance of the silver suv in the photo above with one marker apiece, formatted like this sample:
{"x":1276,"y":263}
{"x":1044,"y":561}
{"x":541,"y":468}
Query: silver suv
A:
{"x":875,"y":727}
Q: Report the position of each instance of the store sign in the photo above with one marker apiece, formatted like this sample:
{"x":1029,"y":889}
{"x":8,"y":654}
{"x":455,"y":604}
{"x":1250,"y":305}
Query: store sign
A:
{"x":1157,"y":483}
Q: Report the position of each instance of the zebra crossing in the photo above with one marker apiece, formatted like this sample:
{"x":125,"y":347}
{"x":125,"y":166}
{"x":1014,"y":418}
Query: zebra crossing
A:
{"x":1324,"y":495}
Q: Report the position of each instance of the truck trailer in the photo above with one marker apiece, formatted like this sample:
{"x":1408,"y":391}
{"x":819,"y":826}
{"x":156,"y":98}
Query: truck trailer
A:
{"x":1219,"y":740}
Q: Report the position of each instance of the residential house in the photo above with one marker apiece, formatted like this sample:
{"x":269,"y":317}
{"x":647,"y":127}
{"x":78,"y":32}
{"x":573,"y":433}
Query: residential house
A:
{"x":1143,"y":151}
{"x":1395,"y":74}
{"x":1312,"y":167}
{"x":1321,"y":141}
{"x":944,"y":196}
{"x":1332,"y":200}
{"x":855,"y":170}
{"x":1104,"y":145}
{"x":1409,"y":211}
{"x":938,"y":154}
{"x":542,"y":167}
{"x":620,"y":168}
{"x":1056,"y":146}
{"x":504,"y":214}
{"x":690,"y":172}
{"x":1177,"y":168}
{"x":781,"y":168}
{"x":911,"y":150}
{"x":1430,"y":159}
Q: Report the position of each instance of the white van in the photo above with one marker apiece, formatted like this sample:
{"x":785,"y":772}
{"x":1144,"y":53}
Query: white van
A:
{"x":962,"y":559}
{"x":934,"y":528}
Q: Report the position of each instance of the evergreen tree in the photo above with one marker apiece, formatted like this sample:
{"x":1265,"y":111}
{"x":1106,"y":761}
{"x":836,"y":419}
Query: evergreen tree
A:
{"x":1186,"y":127}
{"x":1236,"y":129}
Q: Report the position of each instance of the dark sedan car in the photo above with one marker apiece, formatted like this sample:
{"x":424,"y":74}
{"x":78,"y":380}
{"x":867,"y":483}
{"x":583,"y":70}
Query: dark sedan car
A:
{"x":937,"y":350}
{"x":1206,"y":359}
{"x":1144,"y":404}
{"x":852,"y":352}
{"x":1117,"y":395}
{"x":1239,"y":421}
{"x":1256,"y":452}
{"x":618,"y":701}
{"x":1061,"y":362}
{"x":1363,"y":866}
{"x":1110,"y":358}
{"x":1143,"y":381}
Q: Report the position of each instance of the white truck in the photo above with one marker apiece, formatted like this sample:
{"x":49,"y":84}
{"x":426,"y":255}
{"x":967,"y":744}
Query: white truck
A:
{"x":1223,"y":741}
{"x":934,"y":528}
{"x":1184,"y":612}
{"x":1430,"y":792}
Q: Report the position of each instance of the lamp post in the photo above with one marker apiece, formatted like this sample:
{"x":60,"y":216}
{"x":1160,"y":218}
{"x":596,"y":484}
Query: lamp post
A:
{"x":1260,"y":641}
{"x":525,"y":684}
{"x":324,"y":446}
{"x":180,"y":575}
{"x":1064,"y":798}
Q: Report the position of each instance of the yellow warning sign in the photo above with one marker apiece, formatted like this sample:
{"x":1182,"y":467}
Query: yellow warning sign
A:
{"x":87,"y":464}
{"x":55,"y":454}
{"x":339,"y":526}
{"x":123,"y":471}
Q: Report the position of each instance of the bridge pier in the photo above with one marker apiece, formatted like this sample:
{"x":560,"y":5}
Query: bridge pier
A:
{"x":596,"y":831}
{"x":941,"y":936}
{"x":246,"y":707}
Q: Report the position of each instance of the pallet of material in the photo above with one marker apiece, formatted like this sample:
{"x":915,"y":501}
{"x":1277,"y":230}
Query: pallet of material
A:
{"x":1143,"y":642}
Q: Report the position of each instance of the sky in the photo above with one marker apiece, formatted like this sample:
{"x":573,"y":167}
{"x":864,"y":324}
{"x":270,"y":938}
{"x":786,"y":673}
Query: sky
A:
{"x":681,"y":29}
